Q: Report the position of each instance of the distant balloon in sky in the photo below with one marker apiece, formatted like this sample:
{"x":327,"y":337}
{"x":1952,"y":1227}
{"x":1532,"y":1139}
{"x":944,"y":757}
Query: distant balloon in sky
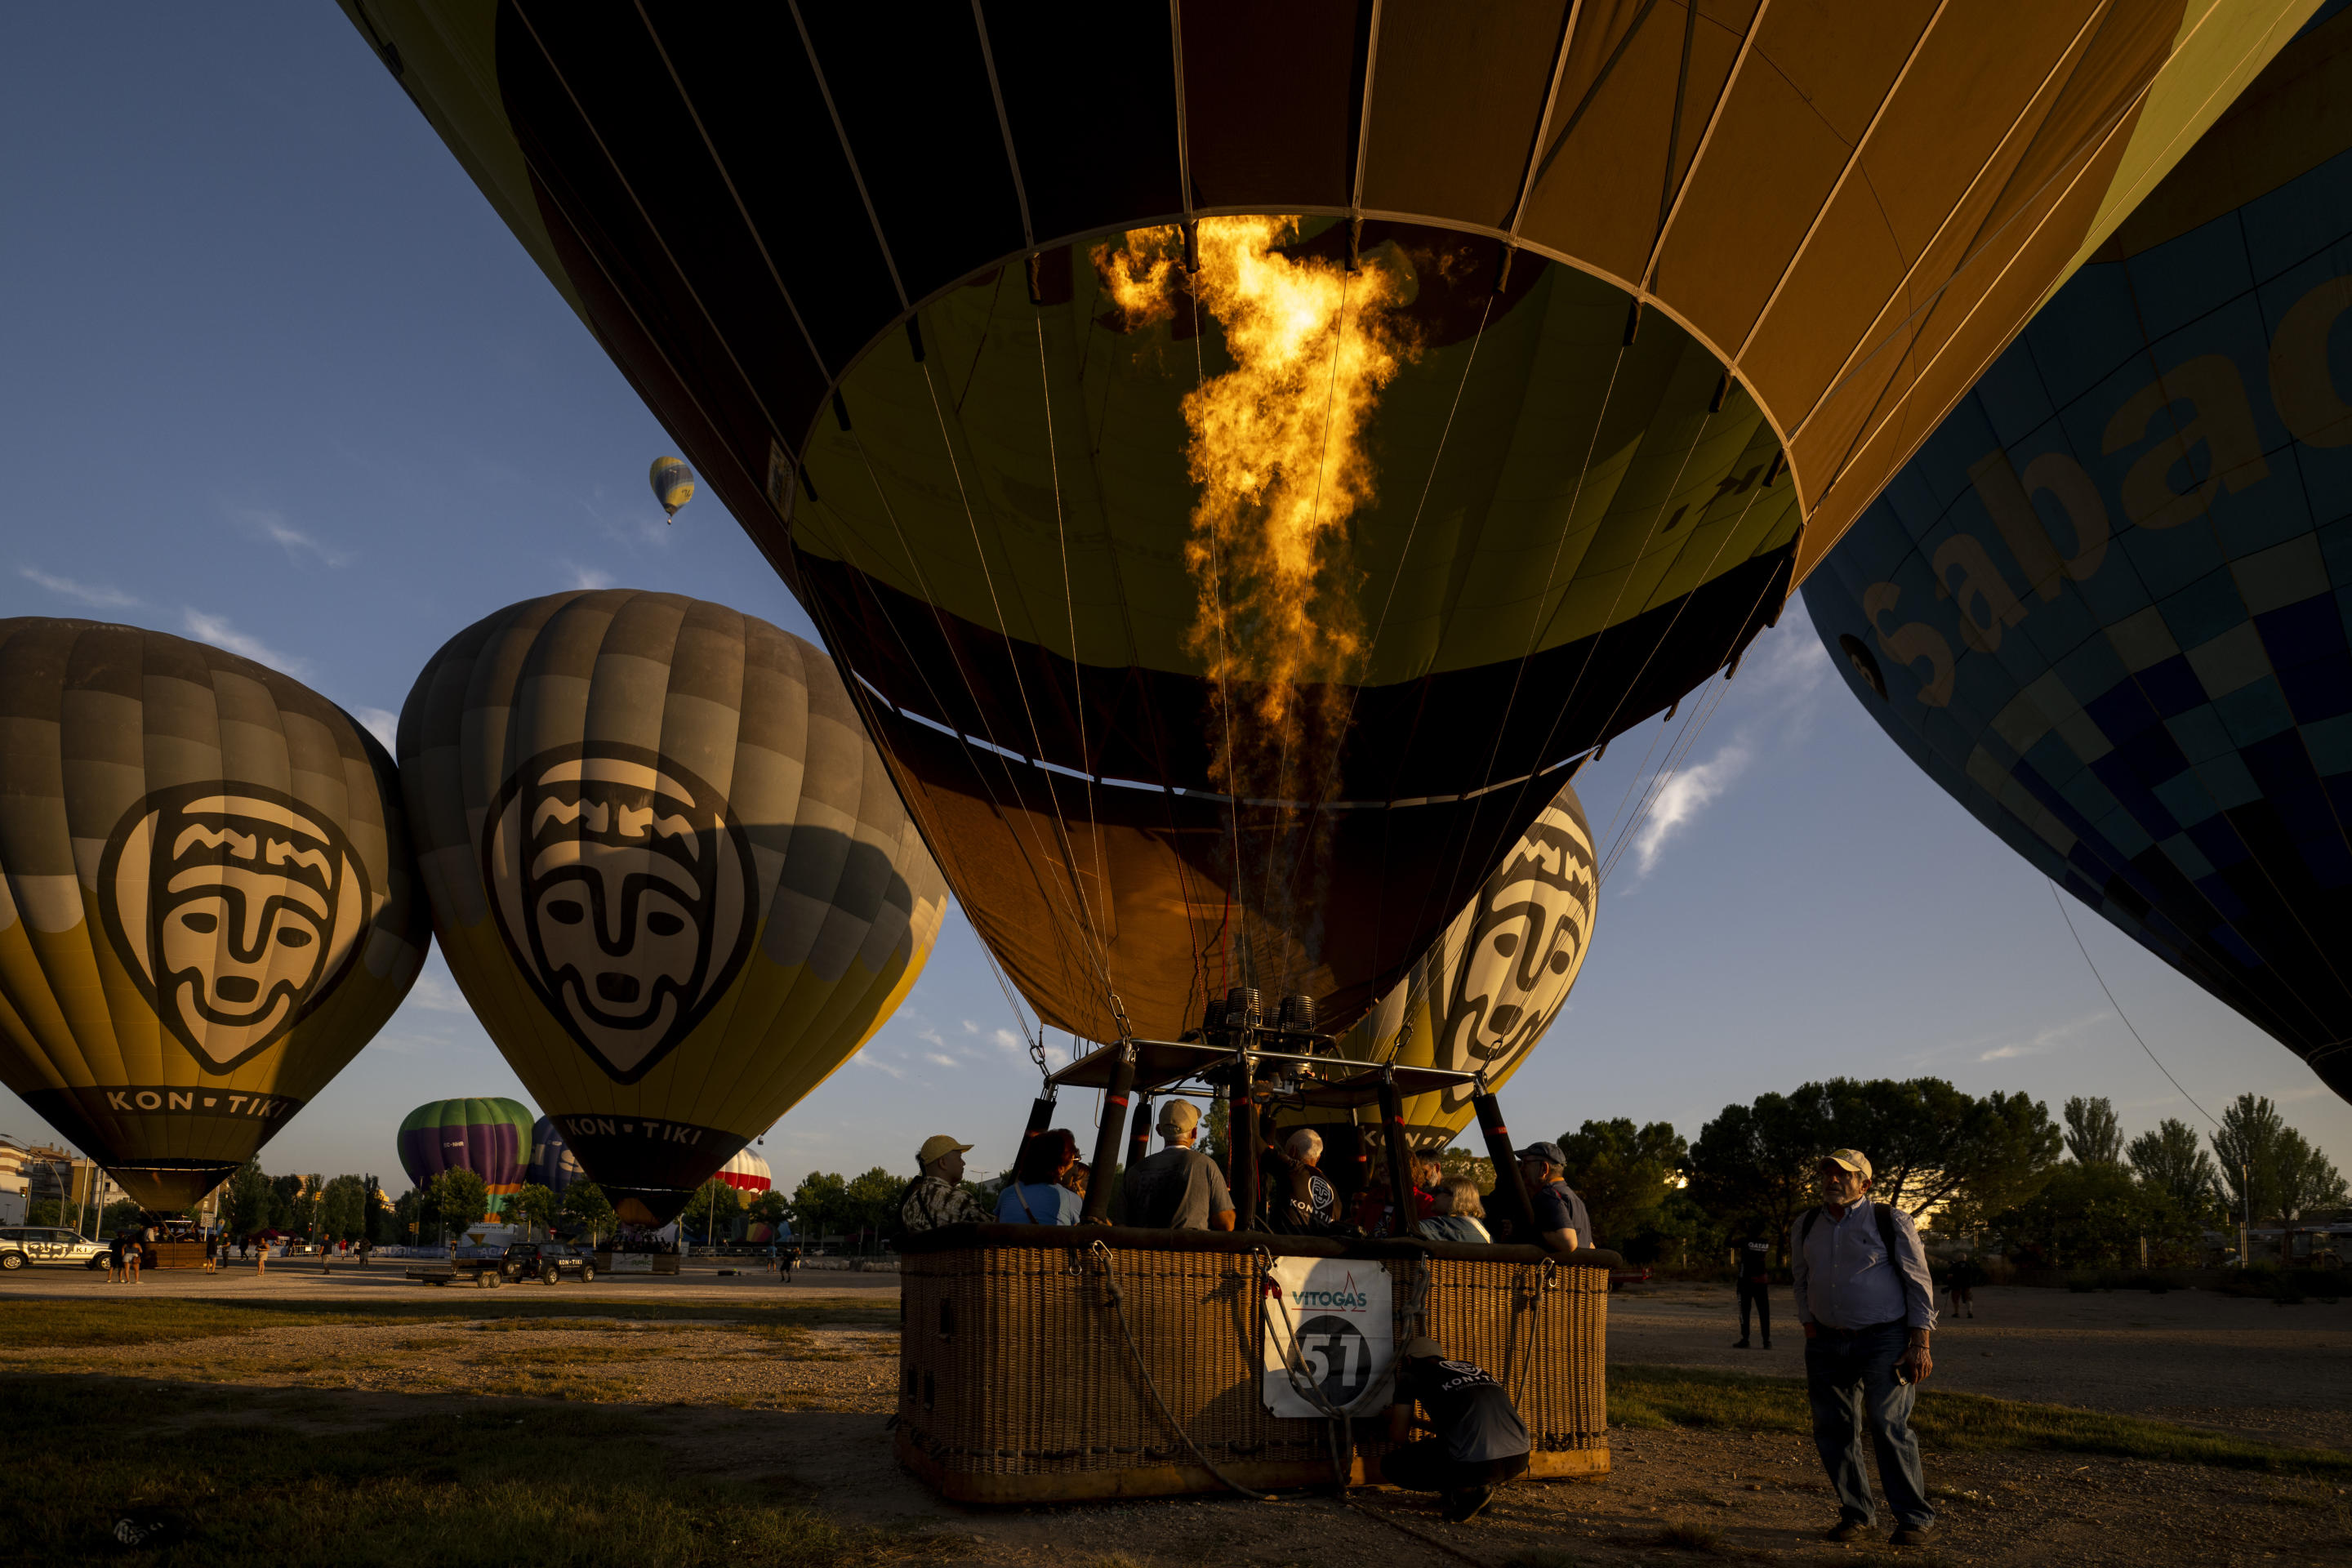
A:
{"x":207,"y":902}
{"x":673,"y":484}
{"x":2105,"y":607}
{"x":488,"y":1136}
{"x":1238,"y":451}
{"x":668,"y":869}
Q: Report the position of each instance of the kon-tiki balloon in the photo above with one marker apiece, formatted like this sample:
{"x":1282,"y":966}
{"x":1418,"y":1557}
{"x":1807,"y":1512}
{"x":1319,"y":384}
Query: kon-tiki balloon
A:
{"x":1238,"y":449}
{"x":208,"y":903}
{"x":2106,"y":608}
{"x":668,"y":871}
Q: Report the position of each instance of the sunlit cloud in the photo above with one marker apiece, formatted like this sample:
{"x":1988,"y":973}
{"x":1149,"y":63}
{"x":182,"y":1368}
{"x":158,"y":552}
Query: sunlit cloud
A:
{"x":436,"y":995}
{"x":97,"y":595}
{"x":586,"y":577}
{"x":299,"y":546}
{"x":218,"y":631}
{"x":1683,"y":796}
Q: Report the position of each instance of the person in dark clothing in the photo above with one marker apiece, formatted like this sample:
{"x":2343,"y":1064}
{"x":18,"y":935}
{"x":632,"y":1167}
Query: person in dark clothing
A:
{"x":1478,"y":1442}
{"x":1561,"y":1223}
{"x":1301,"y":1199}
{"x":1751,"y":1265}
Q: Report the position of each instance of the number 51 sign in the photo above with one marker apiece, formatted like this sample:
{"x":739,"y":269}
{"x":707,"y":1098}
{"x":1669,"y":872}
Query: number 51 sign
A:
{"x":1330,"y":1326}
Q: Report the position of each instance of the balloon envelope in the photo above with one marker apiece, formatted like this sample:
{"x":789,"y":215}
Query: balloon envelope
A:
{"x":1487,"y":990}
{"x":747,"y":1172}
{"x":668,"y":869}
{"x":208,"y":905}
{"x":490,"y":1137}
{"x":673,"y":484}
{"x":2105,"y":608}
{"x":551,"y":1165}
{"x":1648,"y":305}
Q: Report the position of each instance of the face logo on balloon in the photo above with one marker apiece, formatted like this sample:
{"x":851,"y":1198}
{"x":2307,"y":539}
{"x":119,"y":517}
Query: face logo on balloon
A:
{"x":1526,"y":934}
{"x":624,"y":888}
{"x":237,"y":908}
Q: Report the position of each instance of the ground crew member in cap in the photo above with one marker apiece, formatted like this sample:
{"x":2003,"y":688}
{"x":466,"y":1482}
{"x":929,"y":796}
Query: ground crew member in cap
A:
{"x":1867,"y":1307}
{"x":1479,"y":1442}
{"x":934,"y":1198}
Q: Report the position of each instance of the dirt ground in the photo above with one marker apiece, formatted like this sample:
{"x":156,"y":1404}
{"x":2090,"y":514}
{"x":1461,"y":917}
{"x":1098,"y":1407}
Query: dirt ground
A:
{"x":803,"y":1410}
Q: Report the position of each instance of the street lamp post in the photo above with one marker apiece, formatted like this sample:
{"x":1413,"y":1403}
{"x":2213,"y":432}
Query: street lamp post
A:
{"x":2245,"y":1213}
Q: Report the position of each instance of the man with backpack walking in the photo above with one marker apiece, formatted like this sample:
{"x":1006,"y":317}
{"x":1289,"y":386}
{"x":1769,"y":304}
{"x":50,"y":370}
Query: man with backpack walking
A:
{"x":1751,"y":1267}
{"x":1866,"y":1305}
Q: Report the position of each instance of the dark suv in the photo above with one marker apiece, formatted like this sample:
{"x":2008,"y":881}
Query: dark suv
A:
{"x":546,"y":1261}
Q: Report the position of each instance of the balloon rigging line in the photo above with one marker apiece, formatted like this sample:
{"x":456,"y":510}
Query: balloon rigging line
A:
{"x":1536,"y":622}
{"x":1089,"y":928}
{"x":2066,"y":916}
{"x":996,"y":802}
{"x":1070,"y":610}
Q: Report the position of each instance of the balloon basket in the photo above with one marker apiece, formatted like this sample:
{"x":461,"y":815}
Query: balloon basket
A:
{"x":1045,"y":1364}
{"x":176,"y":1254}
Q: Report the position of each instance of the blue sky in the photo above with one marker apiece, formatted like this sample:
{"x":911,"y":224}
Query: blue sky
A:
{"x":280,"y":380}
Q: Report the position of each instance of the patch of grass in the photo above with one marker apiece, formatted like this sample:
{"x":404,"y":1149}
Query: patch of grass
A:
{"x":1657,"y":1396}
{"x":51,"y":1322}
{"x":565,"y":1355}
{"x":499,"y":1484}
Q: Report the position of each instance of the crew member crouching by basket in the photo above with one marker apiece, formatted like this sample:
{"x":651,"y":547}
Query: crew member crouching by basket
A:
{"x":1480,"y":1441}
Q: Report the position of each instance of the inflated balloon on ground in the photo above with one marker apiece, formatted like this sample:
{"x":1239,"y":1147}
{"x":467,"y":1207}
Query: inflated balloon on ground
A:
{"x":2105,"y":608}
{"x":668,"y":869}
{"x":207,"y":901}
{"x":488,"y":1136}
{"x":1221,"y":580}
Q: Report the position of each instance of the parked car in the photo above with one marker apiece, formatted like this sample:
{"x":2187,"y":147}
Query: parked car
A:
{"x":21,"y":1245}
{"x":547,"y":1261}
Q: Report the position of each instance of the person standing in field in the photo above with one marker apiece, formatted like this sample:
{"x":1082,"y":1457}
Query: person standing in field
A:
{"x":1867,"y":1308}
{"x":1751,"y":1270}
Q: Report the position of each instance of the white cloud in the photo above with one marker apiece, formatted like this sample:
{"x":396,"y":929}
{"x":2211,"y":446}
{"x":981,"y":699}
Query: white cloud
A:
{"x":2044,"y":1040}
{"x":436,"y":995}
{"x":936,"y":1059}
{"x":970,"y":1028}
{"x":217,"y":631}
{"x":98,"y":596}
{"x":869,"y":1058}
{"x":586,"y":577}
{"x":380,"y":723}
{"x":298,"y":546}
{"x":1683,"y":796}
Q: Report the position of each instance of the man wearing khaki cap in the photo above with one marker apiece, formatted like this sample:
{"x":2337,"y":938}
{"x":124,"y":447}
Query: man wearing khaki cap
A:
{"x":1863,"y":1298}
{"x":1179,"y":1188}
{"x":934,"y":1198}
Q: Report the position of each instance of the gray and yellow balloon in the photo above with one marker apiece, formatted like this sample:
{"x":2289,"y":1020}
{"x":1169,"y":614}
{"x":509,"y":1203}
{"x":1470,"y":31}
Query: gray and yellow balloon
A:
{"x":208,"y":903}
{"x":667,"y":868}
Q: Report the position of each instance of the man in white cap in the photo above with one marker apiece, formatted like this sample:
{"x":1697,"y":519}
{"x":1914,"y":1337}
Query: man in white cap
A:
{"x":1864,"y":1301}
{"x":935,"y":1198}
{"x":1179,"y":1188}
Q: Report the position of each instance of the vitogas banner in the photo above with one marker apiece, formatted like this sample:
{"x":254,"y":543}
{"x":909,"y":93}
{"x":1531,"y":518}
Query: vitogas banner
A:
{"x":1329,"y":1327}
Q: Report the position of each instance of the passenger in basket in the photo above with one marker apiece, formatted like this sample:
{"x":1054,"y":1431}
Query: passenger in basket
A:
{"x":1479,"y":1442}
{"x":1075,"y":1178}
{"x":1035,"y":1195}
{"x":1179,"y":1188}
{"x":1561,"y":1223}
{"x":1303,"y":1200}
{"x":1458,"y":1212}
{"x":934,"y":1199}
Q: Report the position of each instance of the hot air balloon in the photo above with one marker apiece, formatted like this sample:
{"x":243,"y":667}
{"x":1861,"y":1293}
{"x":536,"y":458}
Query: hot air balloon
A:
{"x":1496,"y":977}
{"x":1238,"y":451}
{"x":489,"y":1136}
{"x":747,"y":1172}
{"x":2105,"y":608}
{"x":551,"y":1165}
{"x":668,"y":869}
{"x":208,"y":903}
{"x":673,"y":484}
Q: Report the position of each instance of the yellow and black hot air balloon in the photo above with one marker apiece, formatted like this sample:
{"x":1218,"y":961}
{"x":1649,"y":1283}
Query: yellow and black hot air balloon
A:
{"x":207,"y":902}
{"x":668,"y":869}
{"x":673,"y":484}
{"x":1239,"y":449}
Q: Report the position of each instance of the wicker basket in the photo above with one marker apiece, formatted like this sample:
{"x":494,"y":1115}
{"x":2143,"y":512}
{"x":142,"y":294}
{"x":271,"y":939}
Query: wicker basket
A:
{"x":1035,"y":1362}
